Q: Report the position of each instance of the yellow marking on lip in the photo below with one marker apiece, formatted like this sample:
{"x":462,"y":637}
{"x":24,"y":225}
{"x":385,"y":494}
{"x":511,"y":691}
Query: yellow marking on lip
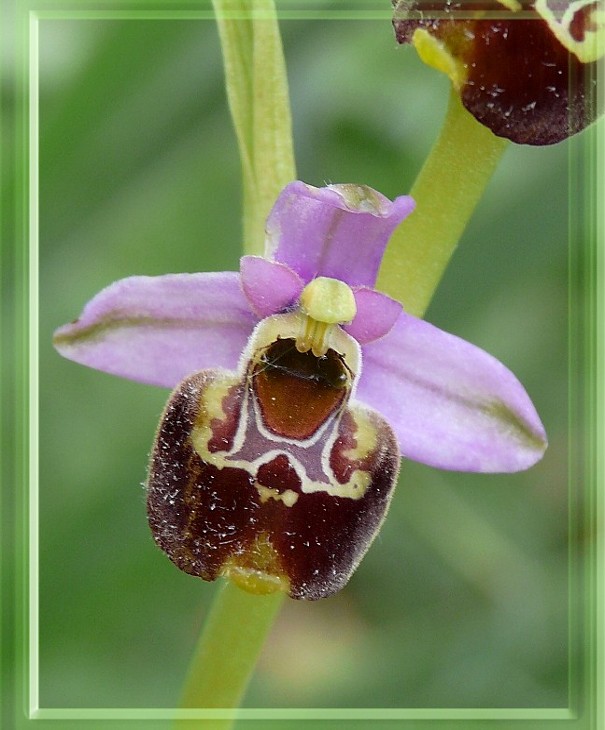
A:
{"x":366,"y":437}
{"x":257,"y":569}
{"x":288,"y":497}
{"x":212,"y":405}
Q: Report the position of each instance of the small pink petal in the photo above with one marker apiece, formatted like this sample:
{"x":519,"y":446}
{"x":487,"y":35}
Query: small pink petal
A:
{"x":376,"y":315}
{"x":269,"y":286}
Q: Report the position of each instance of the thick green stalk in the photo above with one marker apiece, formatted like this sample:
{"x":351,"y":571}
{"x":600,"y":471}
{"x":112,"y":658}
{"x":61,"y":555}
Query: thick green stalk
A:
{"x":448,"y":188}
{"x":257,"y":91}
{"x":225,"y":657}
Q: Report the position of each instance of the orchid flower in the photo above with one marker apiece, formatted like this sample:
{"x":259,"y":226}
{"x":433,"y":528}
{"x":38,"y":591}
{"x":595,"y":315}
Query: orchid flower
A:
{"x":297,"y":389}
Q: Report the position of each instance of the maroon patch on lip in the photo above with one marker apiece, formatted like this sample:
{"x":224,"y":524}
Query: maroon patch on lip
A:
{"x":203,"y":516}
{"x":297,"y":391}
{"x":521,"y":81}
{"x":279,"y":474}
{"x":342,"y":466}
{"x":582,"y":22}
{"x":224,"y":429}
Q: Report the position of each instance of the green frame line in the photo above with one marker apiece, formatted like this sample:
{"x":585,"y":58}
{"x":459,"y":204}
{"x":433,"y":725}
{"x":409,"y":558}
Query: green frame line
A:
{"x":459,"y":714}
{"x":34,"y":358}
{"x":587,"y":404}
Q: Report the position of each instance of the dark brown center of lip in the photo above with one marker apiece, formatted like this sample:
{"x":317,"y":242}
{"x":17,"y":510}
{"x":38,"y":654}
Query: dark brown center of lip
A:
{"x":298,"y":391}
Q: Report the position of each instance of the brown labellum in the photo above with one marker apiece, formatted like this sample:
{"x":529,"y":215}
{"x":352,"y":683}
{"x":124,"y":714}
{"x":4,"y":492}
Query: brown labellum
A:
{"x":271,"y":477}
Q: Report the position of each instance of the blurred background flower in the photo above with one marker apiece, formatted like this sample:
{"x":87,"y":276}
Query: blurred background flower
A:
{"x":462,"y":600}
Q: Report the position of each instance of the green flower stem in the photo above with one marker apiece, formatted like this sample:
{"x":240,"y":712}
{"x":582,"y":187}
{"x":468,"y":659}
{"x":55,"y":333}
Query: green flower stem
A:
{"x":446,"y":191}
{"x":257,"y":91}
{"x":225,"y":657}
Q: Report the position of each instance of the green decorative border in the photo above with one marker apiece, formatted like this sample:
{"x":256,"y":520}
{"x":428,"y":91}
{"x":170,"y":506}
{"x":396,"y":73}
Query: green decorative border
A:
{"x":19,"y":421}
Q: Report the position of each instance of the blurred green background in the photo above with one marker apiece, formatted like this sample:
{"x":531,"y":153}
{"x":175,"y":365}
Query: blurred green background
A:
{"x":462,"y":600}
